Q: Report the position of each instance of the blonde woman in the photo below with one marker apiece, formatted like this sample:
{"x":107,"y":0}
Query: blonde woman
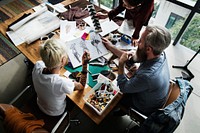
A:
{"x":51,"y":88}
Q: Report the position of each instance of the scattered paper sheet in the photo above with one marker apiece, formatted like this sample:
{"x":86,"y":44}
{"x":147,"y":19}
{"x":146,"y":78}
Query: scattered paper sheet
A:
{"x":16,"y":39}
{"x":59,"y":8}
{"x":106,"y":25}
{"x":127,"y":28}
{"x":69,"y":31}
{"x":124,"y":46}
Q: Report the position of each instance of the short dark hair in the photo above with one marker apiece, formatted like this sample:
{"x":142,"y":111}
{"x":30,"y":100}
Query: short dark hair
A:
{"x":134,"y":2}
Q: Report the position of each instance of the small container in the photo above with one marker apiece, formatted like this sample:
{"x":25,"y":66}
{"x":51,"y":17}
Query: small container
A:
{"x":126,"y":39}
{"x":101,"y":95}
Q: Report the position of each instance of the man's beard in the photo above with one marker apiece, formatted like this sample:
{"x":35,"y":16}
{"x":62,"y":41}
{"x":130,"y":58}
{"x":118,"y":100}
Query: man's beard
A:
{"x":141,"y":55}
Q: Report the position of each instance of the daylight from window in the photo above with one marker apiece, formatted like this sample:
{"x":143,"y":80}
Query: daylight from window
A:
{"x":173,"y":17}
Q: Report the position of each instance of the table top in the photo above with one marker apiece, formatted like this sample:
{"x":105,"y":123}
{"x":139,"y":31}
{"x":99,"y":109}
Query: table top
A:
{"x":31,"y":51}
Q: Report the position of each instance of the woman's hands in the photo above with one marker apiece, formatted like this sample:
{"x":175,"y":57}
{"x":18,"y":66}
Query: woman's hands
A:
{"x":101,"y":15}
{"x":134,"y":42}
{"x":85,"y":58}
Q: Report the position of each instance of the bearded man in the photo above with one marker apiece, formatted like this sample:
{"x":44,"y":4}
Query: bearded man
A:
{"x":147,"y":89}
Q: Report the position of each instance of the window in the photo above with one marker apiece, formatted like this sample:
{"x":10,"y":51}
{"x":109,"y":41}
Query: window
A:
{"x":175,"y":28}
{"x":156,"y":7}
{"x":172,"y":19}
{"x":179,"y":16}
{"x":107,"y":3}
{"x":191,"y":35}
{"x":188,"y":2}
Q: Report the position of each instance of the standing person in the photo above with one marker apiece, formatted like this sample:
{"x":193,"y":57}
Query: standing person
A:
{"x":137,"y":11}
{"x":147,"y":89}
{"x":51,"y":88}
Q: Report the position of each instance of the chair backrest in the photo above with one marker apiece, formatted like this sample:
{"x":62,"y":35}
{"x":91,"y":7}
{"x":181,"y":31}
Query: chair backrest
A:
{"x":174,"y":92}
{"x":168,"y":119}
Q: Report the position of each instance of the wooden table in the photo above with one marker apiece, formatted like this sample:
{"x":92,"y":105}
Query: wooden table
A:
{"x":31,"y":51}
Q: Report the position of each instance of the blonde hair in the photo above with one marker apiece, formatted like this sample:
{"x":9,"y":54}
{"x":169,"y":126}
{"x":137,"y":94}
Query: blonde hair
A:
{"x":52,"y":53}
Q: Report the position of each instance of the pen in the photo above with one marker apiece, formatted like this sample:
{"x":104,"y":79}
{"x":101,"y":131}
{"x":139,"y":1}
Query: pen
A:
{"x":97,"y":64}
{"x":89,"y":72}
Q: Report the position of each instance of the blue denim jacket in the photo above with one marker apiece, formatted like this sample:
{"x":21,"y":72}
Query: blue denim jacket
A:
{"x":168,"y":119}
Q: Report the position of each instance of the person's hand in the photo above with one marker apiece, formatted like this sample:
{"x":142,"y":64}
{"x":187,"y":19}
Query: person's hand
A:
{"x":78,"y":86}
{"x":134,"y":42}
{"x":130,"y":62}
{"x":86,"y":57}
{"x":132,"y":70}
{"x":106,"y":43}
{"x":101,"y":15}
{"x":124,"y":58}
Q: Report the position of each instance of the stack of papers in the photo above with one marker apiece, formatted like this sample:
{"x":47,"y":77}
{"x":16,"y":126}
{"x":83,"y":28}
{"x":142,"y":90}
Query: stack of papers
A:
{"x":33,"y":27}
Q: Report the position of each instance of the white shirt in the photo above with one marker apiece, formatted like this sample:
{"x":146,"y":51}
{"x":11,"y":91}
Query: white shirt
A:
{"x":51,"y":90}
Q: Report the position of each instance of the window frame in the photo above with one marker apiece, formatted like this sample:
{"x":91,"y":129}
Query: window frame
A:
{"x":194,"y":9}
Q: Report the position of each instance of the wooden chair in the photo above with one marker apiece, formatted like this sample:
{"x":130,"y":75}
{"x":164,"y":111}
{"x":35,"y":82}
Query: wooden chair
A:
{"x":175,"y":93}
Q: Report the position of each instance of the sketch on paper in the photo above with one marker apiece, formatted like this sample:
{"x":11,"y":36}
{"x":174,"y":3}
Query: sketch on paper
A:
{"x":82,"y":43}
{"x":76,"y":48}
{"x":75,"y":52}
{"x":95,"y":42}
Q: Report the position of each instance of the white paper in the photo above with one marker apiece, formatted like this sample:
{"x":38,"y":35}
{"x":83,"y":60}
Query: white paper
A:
{"x":60,"y":8}
{"x":108,"y":56}
{"x":126,"y":28}
{"x":28,"y":18}
{"x":88,"y":20}
{"x":124,"y":46}
{"x":76,"y":48}
{"x":34,"y":29}
{"x":38,"y":8}
{"x":67,"y":73}
{"x":16,"y":39}
{"x":107,"y":26}
{"x":69,"y":31}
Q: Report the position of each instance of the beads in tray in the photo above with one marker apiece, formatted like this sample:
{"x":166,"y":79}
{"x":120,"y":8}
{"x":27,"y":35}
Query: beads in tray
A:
{"x":101,"y":97}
